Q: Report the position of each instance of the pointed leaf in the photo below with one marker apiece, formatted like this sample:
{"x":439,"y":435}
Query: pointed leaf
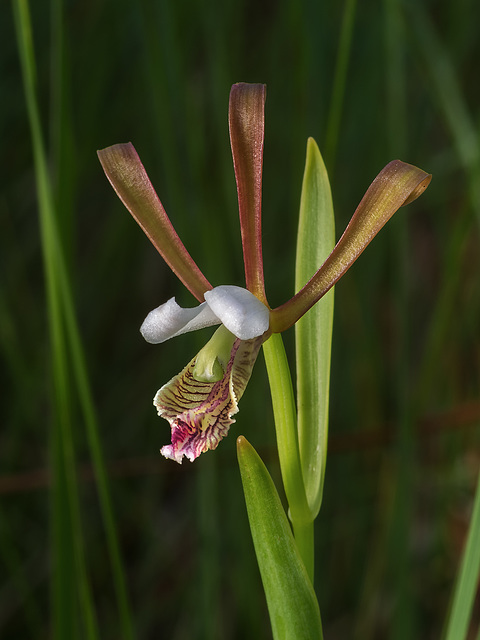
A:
{"x":291,"y":600}
{"x":313,"y":332}
{"x":128,"y":177}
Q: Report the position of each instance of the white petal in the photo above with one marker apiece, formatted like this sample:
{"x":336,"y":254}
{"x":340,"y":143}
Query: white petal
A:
{"x":170,"y":320}
{"x":239,"y":310}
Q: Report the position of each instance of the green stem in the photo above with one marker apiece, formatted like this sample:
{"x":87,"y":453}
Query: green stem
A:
{"x":303,"y":533}
{"x":285,"y":417}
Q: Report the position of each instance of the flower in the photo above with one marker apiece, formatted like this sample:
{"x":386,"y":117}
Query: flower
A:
{"x":200,"y":401}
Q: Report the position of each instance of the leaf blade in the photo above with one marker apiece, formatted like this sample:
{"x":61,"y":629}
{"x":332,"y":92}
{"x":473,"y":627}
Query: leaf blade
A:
{"x":313,"y":332}
{"x":291,"y":600}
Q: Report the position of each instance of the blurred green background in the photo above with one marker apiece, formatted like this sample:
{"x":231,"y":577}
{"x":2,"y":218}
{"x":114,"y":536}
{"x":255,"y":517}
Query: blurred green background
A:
{"x":370,"y":82}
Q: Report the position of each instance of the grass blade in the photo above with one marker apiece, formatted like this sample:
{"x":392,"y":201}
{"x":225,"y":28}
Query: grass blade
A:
{"x":339,"y":83}
{"x":66,"y":510}
{"x":467,"y":581}
{"x":450,"y":100}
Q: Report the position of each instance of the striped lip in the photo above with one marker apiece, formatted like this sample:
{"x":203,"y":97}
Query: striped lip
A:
{"x":200,"y":413}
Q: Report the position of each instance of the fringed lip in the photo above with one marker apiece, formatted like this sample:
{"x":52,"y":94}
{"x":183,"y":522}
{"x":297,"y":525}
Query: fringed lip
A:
{"x":200,"y":413}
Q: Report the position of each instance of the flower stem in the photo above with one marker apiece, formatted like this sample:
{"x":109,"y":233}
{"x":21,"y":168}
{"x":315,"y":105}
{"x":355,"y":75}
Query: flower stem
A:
{"x":288,"y":451}
{"x":303,"y":533}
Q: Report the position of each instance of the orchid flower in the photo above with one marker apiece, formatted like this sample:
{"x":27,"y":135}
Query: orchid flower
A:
{"x":200,"y":401}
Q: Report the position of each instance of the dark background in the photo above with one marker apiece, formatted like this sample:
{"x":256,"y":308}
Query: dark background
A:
{"x":405,"y":409}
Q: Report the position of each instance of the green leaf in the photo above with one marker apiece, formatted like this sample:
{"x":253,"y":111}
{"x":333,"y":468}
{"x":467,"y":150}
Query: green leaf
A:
{"x":70,"y":572}
{"x":68,"y":553}
{"x":448,"y":96}
{"x":467,"y":580}
{"x":291,"y":600}
{"x":313,"y":332}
